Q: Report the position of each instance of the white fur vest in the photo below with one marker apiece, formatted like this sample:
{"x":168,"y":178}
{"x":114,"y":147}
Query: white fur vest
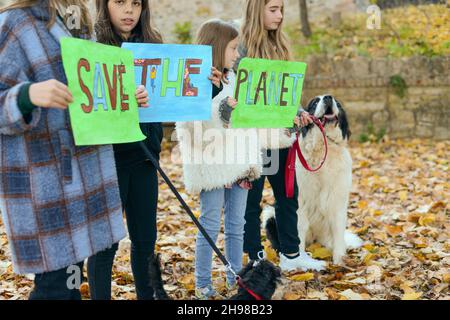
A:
{"x":275,"y":139}
{"x":214,"y":156}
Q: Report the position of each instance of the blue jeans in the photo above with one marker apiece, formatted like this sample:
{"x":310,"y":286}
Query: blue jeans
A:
{"x":211,"y":204}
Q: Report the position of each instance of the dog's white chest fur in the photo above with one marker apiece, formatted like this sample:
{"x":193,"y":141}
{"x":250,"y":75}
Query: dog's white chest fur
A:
{"x":324,"y":195}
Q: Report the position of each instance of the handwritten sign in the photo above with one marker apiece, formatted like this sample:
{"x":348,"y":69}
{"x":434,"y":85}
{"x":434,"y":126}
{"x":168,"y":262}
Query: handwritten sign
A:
{"x":268,"y":93}
{"x":101,"y":79}
{"x":176,"y":77}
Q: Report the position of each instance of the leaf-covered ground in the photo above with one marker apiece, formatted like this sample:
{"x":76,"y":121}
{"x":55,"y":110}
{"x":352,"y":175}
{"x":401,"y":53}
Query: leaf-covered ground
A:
{"x":405,"y":31}
{"x":399,"y":207}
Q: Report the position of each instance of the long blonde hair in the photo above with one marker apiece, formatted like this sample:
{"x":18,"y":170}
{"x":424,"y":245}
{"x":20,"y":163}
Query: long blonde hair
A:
{"x":259,"y":42}
{"x":218,"y":34}
{"x":86,"y":21}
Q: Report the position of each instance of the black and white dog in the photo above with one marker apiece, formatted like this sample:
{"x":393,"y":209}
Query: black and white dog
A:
{"x":324,"y":195}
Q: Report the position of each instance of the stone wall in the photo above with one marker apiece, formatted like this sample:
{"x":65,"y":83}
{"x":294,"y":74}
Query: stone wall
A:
{"x":363,"y":86}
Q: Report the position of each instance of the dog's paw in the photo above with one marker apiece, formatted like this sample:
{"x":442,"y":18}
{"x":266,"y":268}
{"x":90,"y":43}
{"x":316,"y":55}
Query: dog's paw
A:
{"x":338,"y":259}
{"x":352,"y":241}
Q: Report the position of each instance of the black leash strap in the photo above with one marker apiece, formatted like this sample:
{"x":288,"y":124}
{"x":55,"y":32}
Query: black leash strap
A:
{"x":185,"y":206}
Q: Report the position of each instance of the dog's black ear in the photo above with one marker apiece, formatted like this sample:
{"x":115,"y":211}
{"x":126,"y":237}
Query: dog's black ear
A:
{"x":312,"y":105}
{"x":343,"y":122}
{"x":311,"y":109}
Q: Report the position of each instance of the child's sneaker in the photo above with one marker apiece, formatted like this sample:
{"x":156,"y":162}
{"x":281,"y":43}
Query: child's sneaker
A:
{"x":205,"y":293}
{"x":302,"y":262}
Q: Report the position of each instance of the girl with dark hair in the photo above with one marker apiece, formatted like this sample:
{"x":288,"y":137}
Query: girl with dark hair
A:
{"x":121,"y":21}
{"x":130,"y":21}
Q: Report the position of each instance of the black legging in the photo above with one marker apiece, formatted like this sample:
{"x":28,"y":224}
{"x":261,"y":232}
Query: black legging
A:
{"x":285,"y":212}
{"x":139,"y":193}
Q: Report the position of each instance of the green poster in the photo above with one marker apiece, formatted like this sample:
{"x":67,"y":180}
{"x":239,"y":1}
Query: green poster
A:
{"x":101,"y":79}
{"x":268,"y":93}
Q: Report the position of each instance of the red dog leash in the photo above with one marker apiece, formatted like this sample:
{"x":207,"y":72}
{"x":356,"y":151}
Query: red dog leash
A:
{"x":250,"y":292}
{"x":295,"y":151}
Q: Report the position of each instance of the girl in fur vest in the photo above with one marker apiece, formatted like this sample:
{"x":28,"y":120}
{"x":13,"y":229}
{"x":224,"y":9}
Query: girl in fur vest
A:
{"x":219,"y":162}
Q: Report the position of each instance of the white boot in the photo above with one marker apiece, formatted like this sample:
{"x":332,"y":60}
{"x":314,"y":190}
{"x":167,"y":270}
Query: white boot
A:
{"x":303,"y":262}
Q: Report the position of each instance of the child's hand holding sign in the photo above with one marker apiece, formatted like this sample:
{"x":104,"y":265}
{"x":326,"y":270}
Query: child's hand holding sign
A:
{"x":142,"y":97}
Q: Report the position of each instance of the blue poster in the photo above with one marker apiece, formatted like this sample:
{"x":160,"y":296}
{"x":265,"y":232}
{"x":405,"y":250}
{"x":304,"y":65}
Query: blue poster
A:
{"x":176,"y":77}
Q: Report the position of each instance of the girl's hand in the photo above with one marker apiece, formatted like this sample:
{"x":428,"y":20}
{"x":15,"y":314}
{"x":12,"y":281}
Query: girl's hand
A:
{"x":245,"y":184}
{"x":142,"y":96}
{"x":232,"y":102}
{"x":215,"y":77}
{"x":304,"y":120}
{"x":50,"y":94}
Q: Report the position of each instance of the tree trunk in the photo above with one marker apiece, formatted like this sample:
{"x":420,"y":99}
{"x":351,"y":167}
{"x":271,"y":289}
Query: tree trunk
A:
{"x":306,"y":29}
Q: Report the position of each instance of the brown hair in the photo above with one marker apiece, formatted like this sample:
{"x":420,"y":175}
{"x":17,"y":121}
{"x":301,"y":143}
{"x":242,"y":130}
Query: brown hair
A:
{"x":106,"y":33}
{"x":218,"y":34}
{"x":259,"y":42}
{"x":53,"y":11}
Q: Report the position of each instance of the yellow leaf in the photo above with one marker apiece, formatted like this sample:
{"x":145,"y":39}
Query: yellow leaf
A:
{"x":393,"y":230}
{"x":446,"y":278}
{"x":405,"y":287}
{"x":197,"y":213}
{"x":370,"y":247}
{"x":292,"y":296}
{"x":427,"y":220}
{"x":271,"y":253}
{"x":364,"y":164}
{"x":321,"y":253}
{"x":362,"y":204}
{"x":403,"y":195}
{"x":302,"y":277}
{"x":421,"y":243}
{"x":412,"y":296}
{"x":188,"y":281}
{"x":376,"y":213}
{"x":313,"y":247}
{"x":245,"y":260}
{"x":362,"y":230}
{"x":368,"y":258}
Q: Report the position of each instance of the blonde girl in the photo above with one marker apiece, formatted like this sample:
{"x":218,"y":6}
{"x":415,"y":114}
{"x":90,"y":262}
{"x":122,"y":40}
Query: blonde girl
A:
{"x":262,"y":37}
